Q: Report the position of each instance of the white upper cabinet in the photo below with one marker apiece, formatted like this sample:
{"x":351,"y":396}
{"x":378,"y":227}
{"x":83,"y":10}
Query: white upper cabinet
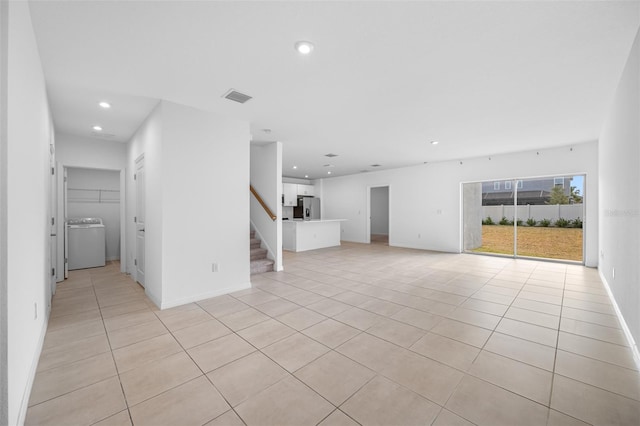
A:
{"x":290,"y":192}
{"x":307,"y":190}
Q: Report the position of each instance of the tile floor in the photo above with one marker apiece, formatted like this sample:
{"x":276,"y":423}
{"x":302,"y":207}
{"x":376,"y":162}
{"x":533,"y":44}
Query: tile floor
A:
{"x":358,"y":334}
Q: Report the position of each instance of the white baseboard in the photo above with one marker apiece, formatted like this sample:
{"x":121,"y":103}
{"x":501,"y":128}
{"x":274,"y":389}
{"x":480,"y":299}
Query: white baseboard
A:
{"x":202,"y":296}
{"x":24,"y":404}
{"x":623,"y":323}
{"x":153,"y":298}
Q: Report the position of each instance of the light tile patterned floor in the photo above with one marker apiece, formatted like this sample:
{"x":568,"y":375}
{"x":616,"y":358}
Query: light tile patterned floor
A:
{"x":358,"y":334}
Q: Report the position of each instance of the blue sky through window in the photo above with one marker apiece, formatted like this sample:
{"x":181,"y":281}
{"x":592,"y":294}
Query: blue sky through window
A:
{"x":578,"y":182}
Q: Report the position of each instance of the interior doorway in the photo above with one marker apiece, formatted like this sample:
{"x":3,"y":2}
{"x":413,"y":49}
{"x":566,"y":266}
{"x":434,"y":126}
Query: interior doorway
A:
{"x":91,"y":193}
{"x":540,"y":217}
{"x":140,"y":221}
{"x":379,"y":215}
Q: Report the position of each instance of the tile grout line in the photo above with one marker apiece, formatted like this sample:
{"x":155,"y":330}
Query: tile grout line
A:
{"x":124,"y":395}
{"x":362,"y":291}
{"x":478,"y":354}
{"x":555,"y":358}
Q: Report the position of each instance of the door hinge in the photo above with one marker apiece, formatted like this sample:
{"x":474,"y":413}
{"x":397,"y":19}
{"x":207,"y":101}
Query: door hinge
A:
{"x":65,"y":178}
{"x":135,"y":219}
{"x":53,"y":272}
{"x":53,"y":221}
{"x":66,"y":260}
{"x":135,"y":176}
{"x":53,"y":171}
{"x":135,"y":262}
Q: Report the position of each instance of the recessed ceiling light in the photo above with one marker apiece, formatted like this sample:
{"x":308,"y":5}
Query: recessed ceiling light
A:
{"x":105,"y":105}
{"x":306,"y":176}
{"x":97,"y":128}
{"x":330,"y":155}
{"x":295,"y":167}
{"x":304,"y":47}
{"x":375,"y":165}
{"x":329,"y":172}
{"x":266,"y":130}
{"x":434,"y":142}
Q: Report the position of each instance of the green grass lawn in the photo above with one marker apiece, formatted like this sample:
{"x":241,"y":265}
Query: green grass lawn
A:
{"x":552,"y":243}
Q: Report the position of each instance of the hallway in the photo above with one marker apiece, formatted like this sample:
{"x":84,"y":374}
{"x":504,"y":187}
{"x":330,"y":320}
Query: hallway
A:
{"x":357,"y":334}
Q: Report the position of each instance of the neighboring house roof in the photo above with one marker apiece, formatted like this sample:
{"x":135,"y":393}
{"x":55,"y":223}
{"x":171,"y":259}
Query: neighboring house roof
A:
{"x":524,"y":197}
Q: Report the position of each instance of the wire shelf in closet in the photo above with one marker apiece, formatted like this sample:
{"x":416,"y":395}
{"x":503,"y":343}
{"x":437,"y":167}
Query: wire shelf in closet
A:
{"x":86,"y":195}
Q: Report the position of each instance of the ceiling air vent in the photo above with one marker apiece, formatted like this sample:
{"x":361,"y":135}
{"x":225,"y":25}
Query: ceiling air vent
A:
{"x":236,"y":96}
{"x":375,"y":165}
{"x":331,"y":155}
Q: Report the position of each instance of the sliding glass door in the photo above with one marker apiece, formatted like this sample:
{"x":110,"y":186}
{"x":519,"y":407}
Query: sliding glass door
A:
{"x":528,"y":217}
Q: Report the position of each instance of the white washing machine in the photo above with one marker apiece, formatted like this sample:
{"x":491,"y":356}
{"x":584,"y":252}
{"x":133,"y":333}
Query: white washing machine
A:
{"x":86,"y":243}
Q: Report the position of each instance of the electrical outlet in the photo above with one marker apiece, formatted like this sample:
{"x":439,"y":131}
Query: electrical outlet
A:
{"x":214,"y":267}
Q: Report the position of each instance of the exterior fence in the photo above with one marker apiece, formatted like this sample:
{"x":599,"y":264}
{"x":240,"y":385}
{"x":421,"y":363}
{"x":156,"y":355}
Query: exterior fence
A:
{"x":537,"y":212}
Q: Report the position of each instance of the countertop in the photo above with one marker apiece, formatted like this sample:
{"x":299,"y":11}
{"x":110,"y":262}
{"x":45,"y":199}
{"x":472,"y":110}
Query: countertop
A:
{"x":313,"y":221}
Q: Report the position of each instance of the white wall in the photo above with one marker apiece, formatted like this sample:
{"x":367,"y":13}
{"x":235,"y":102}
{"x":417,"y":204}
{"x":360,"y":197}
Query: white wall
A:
{"x":266,"y":178}
{"x":205,"y":193}
{"x":28,"y":138}
{"x":380,"y":210}
{"x":78,"y":151}
{"x":619,"y":156}
{"x":147,"y":141}
{"x":287,"y":211}
{"x":89,"y":202}
{"x":286,"y":179}
{"x":197,"y":204}
{"x":4,"y":45}
{"x":425,"y":201}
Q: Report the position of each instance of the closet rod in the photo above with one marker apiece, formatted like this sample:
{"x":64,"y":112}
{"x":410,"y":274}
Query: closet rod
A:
{"x":87,"y":189}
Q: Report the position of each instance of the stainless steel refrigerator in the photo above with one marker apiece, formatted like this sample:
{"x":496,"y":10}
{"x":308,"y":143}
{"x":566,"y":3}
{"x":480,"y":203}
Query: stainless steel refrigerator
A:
{"x":308,"y":208}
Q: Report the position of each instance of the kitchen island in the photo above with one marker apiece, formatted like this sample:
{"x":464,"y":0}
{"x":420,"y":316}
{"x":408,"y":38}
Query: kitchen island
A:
{"x":303,"y":235}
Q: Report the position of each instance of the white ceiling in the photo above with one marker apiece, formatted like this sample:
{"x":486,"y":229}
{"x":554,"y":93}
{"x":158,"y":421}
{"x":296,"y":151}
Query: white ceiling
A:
{"x":384,"y":80}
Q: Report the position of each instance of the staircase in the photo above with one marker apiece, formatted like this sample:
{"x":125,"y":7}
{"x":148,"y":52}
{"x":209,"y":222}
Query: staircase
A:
{"x":259,"y":261}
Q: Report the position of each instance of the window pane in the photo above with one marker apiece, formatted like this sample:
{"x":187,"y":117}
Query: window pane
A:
{"x":548,"y":214}
{"x":551,"y":215}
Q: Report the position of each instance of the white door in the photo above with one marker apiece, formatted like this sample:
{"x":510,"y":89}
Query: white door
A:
{"x":60,"y":222}
{"x":140,"y":220}
{"x":53,"y":208}
{"x":66,"y":231}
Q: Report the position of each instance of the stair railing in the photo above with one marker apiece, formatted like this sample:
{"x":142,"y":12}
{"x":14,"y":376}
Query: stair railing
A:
{"x":262,"y":203}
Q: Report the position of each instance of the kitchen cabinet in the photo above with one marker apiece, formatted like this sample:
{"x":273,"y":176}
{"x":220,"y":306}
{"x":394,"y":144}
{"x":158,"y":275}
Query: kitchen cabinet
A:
{"x":306,"y":190}
{"x":303,"y":235}
{"x":290,"y":192}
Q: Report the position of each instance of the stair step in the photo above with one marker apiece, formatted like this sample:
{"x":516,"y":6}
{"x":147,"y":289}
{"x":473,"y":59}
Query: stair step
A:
{"x":261,"y":266}
{"x":254,"y":243}
{"x":258,"y":253}
{"x":252,"y":234}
